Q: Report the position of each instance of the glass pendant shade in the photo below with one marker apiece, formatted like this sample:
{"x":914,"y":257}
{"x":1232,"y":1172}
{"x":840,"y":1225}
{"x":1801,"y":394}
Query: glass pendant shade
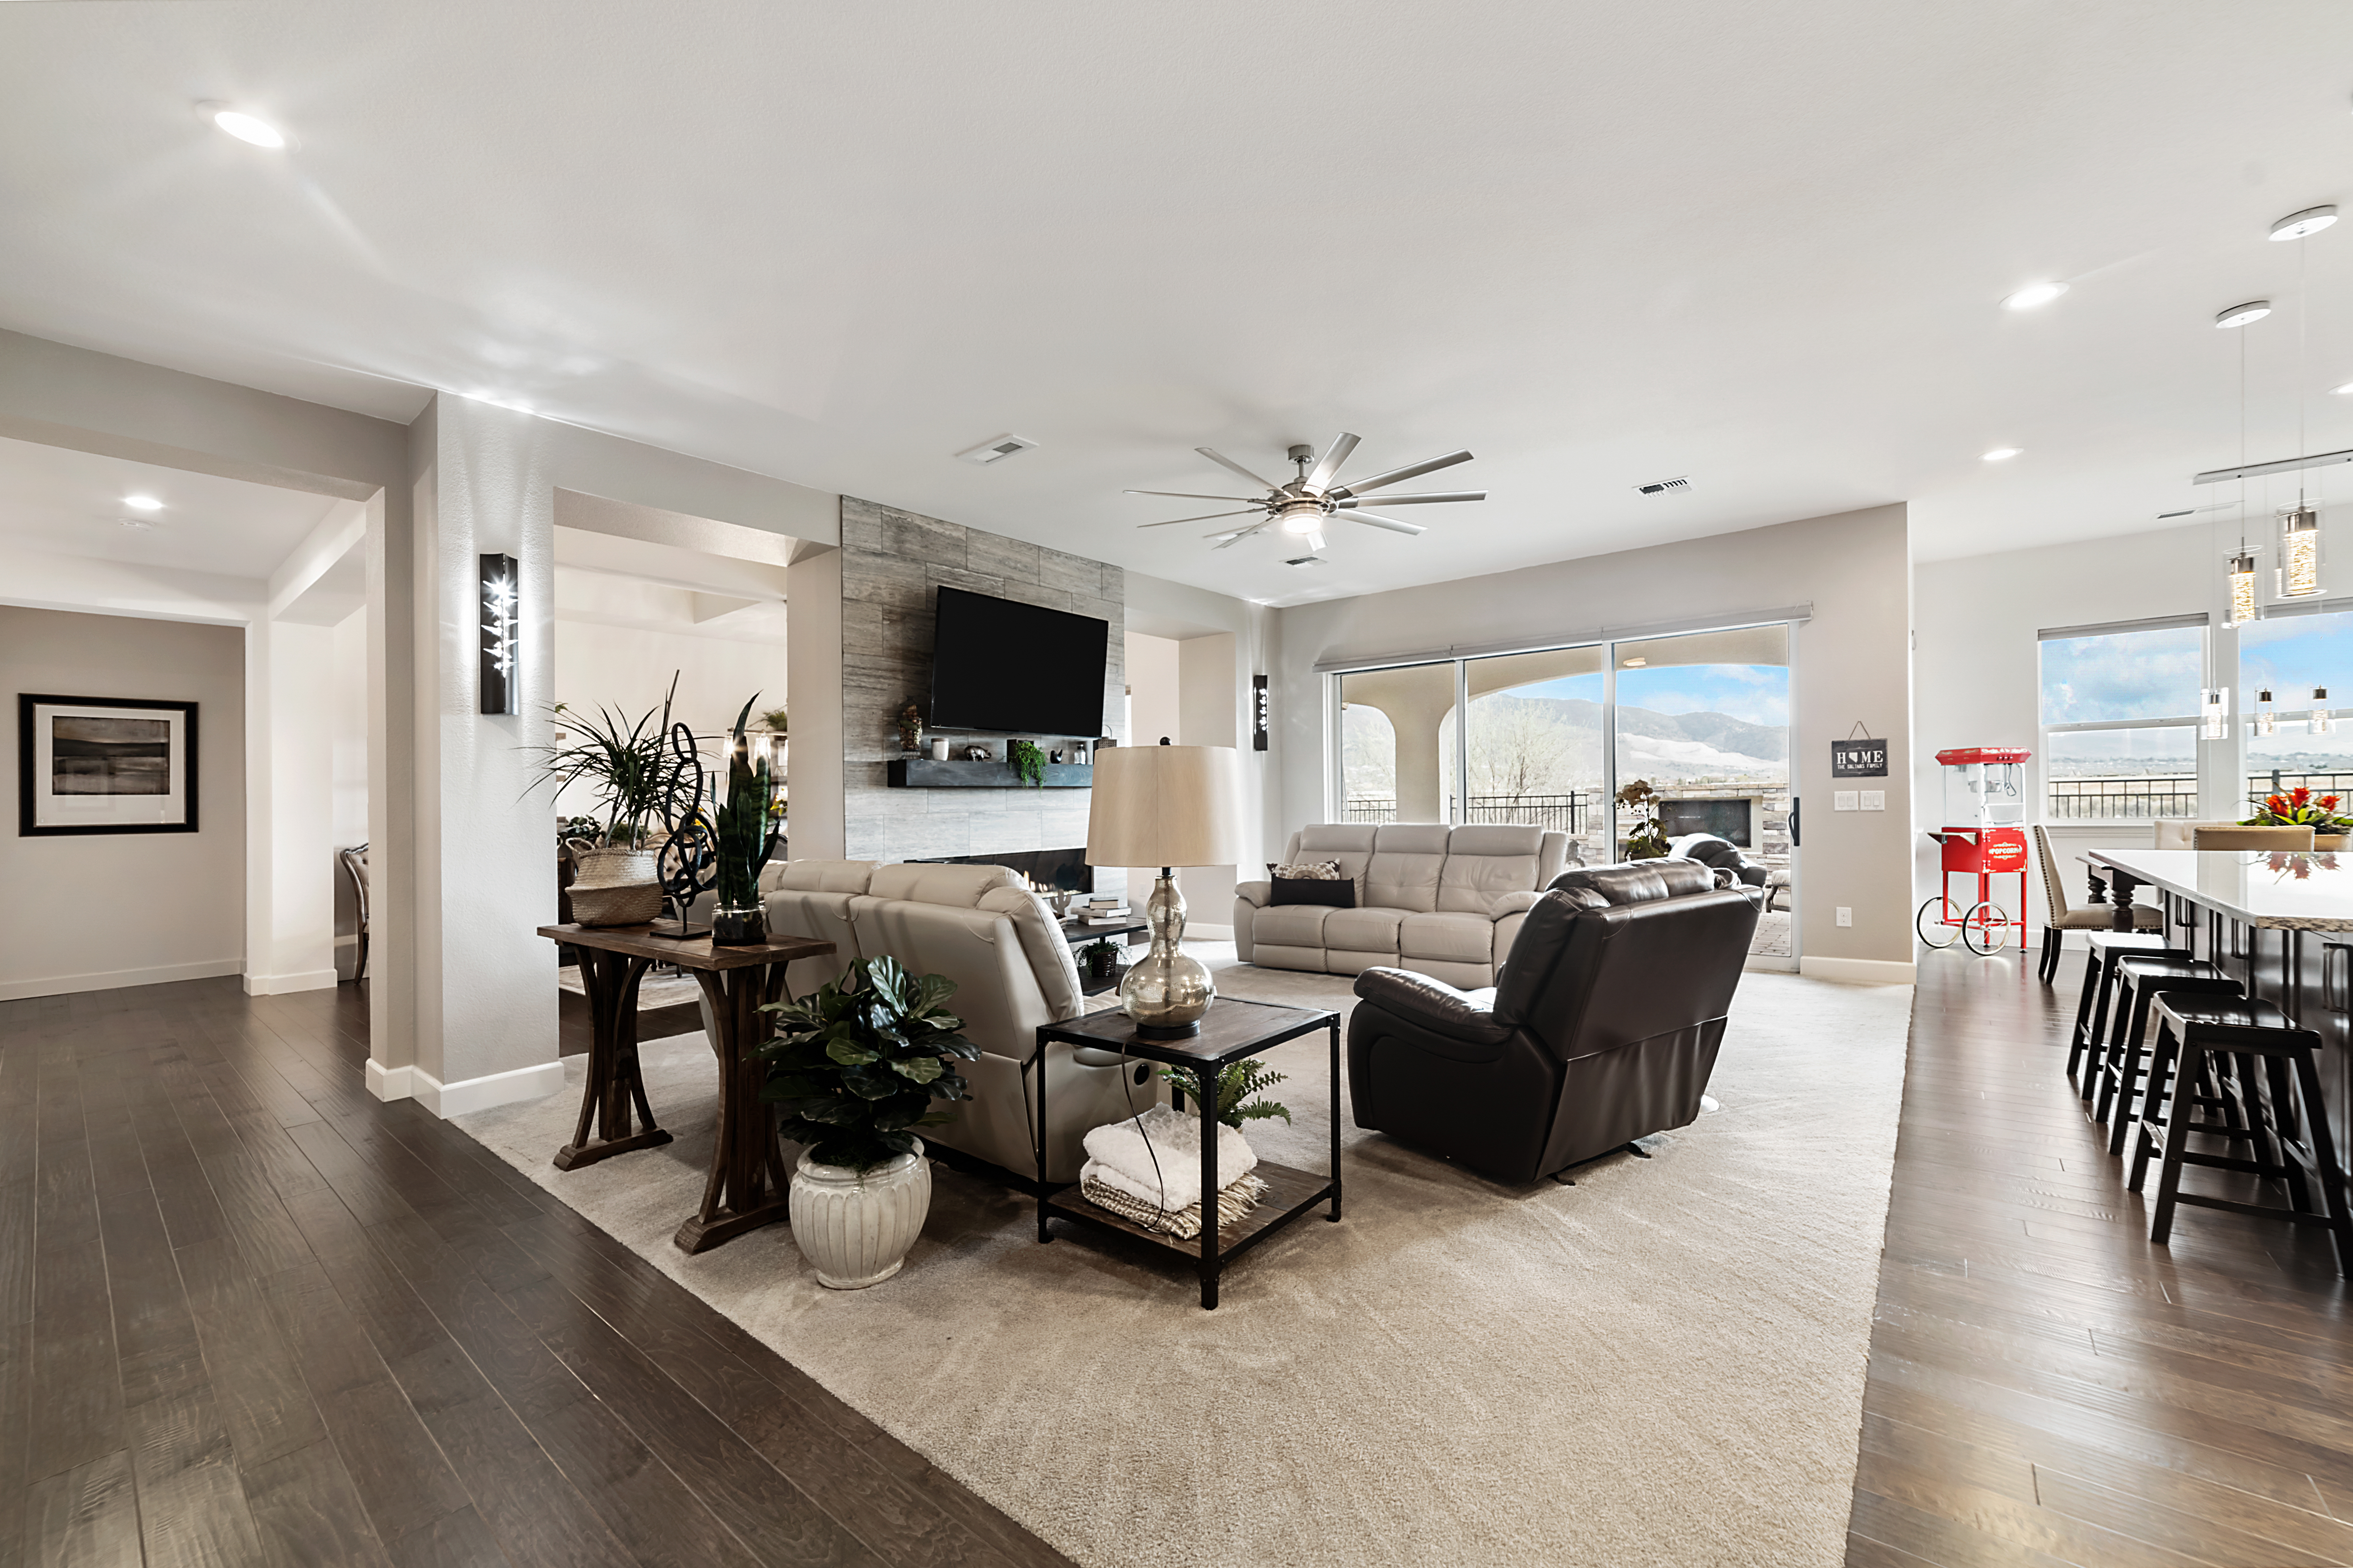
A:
{"x":2214,"y":713}
{"x":2267,"y":721}
{"x":2299,"y":574}
{"x":2242,"y":589}
{"x":2321,"y":719}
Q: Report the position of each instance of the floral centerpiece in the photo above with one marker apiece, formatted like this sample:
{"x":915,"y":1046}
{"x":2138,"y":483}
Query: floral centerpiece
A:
{"x":2299,"y":808}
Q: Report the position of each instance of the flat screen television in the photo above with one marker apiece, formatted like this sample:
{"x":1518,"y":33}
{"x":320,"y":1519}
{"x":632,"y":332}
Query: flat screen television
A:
{"x":1020,"y":669}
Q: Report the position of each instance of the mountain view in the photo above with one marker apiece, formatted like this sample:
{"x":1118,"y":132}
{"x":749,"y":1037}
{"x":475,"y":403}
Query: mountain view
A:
{"x":1542,"y":745}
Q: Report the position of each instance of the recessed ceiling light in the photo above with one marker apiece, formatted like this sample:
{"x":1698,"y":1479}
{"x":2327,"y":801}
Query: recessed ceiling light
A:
{"x":247,"y":127}
{"x":2004,"y":454}
{"x":141,"y":523}
{"x":2240,"y":315}
{"x":2311,"y":220}
{"x":2033,"y":296}
{"x":2343,"y":391}
{"x":143,"y":503}
{"x":1632,"y":663}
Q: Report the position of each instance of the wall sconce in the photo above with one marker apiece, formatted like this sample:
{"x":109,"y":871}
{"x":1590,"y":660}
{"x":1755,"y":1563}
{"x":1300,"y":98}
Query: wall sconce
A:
{"x":1260,"y":712}
{"x":501,"y":683}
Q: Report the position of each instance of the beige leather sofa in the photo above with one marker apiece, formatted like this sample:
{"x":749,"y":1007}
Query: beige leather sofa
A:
{"x":1442,"y":902}
{"x":999,"y":941}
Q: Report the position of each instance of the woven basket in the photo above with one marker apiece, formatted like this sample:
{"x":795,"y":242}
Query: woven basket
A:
{"x":614,"y":887}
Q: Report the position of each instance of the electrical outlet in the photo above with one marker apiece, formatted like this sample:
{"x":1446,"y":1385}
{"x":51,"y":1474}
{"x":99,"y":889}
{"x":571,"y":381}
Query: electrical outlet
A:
{"x":1846,"y":915}
{"x":1842,"y":800}
{"x":1874,"y":800}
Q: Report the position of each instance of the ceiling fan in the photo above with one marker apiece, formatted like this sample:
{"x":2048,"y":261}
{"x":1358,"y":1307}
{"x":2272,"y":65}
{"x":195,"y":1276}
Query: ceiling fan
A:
{"x":1300,"y":507}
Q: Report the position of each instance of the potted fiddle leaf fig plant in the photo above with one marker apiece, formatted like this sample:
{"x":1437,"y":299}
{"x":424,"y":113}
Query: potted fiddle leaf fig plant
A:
{"x":854,"y":1067}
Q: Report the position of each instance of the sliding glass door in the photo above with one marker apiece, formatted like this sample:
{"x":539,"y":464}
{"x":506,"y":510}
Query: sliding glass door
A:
{"x":1551,"y":736}
{"x":1703,"y":720}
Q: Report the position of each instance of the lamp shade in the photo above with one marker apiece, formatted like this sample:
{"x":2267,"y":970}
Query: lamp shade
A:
{"x":1165,"y":805}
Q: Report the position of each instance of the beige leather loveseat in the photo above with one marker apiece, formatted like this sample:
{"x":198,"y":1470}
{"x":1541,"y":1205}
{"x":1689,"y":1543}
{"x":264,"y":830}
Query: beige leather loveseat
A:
{"x":998,"y":940}
{"x":1442,"y":902}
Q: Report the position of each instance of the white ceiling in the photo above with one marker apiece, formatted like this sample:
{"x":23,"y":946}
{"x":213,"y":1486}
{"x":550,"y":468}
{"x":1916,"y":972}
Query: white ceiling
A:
{"x":61,"y":502}
{"x":1757,"y":244}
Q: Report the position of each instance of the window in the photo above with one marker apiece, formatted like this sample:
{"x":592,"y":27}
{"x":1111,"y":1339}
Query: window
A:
{"x":2289,"y":657}
{"x":1393,"y":761}
{"x":2120,"y":719}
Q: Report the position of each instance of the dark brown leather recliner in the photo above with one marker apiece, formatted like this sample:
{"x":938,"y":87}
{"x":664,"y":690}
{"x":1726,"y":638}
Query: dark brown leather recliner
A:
{"x":1602,"y":1027}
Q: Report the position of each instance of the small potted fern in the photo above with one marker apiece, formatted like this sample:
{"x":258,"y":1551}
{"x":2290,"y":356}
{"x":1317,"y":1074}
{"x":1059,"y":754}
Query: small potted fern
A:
{"x":1236,"y":1081}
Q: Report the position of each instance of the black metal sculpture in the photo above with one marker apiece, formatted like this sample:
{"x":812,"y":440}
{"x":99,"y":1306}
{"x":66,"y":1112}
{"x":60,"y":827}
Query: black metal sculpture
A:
{"x":719,"y":844}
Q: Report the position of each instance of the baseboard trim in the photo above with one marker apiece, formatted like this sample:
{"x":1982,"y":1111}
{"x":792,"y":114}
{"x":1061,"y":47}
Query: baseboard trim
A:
{"x":281,"y":984}
{"x":1857,"y":971}
{"x":118,"y":979}
{"x":446,"y":1099}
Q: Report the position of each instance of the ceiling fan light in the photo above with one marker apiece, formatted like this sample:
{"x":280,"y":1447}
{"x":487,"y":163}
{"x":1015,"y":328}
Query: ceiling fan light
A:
{"x":1303,"y":520}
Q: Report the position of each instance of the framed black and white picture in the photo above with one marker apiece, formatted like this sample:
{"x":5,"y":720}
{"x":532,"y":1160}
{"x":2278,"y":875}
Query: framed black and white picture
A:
{"x":104,"y":765}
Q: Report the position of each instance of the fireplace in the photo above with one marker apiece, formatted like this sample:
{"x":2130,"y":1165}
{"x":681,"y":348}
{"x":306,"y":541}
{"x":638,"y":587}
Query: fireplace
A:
{"x":1049,"y":868}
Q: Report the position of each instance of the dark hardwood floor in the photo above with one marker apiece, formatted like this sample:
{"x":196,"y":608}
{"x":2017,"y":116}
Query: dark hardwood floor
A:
{"x":2045,"y":1386}
{"x":250,"y":1315}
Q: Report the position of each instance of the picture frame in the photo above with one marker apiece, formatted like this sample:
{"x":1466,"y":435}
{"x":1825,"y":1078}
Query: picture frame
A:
{"x":104,"y":765}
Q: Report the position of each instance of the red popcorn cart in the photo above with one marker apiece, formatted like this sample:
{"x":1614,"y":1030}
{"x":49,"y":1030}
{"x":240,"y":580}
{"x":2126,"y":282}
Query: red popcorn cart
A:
{"x":1984,"y":837}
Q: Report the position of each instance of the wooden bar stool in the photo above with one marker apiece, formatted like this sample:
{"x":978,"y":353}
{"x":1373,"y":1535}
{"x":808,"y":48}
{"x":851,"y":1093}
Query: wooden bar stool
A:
{"x":2291,"y":1140}
{"x":2099,"y":977}
{"x":2122,"y":1067}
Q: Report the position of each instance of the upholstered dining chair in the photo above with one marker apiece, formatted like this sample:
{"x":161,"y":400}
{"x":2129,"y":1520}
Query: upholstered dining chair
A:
{"x":2237,"y":837}
{"x":2059,"y":916}
{"x":355,"y":866}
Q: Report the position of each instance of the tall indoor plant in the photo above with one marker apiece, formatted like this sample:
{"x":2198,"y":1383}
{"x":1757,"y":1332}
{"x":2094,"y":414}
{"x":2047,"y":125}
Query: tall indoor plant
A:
{"x":628,"y":771}
{"x":855,"y":1067}
{"x":746,"y":837}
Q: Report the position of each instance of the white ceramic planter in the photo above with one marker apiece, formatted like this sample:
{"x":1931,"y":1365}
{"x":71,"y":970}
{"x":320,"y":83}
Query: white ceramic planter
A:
{"x":855,"y":1229}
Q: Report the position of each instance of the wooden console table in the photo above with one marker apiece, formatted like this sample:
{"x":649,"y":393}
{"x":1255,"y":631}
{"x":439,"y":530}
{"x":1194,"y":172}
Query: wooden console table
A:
{"x":748,"y":1182}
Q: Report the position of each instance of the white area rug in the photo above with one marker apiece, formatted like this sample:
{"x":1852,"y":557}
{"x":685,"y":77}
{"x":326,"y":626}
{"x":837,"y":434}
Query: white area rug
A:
{"x":1663,"y":1363}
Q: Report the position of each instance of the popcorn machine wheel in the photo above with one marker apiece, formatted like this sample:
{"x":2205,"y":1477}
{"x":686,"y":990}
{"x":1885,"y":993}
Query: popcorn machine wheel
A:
{"x":1982,"y":838}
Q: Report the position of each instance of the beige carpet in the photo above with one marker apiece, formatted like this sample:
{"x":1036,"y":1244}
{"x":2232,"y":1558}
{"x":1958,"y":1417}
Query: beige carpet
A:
{"x":1663,"y":1363}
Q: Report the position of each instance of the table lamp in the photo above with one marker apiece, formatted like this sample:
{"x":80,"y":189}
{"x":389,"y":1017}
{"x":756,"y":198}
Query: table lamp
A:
{"x":1168,"y":807}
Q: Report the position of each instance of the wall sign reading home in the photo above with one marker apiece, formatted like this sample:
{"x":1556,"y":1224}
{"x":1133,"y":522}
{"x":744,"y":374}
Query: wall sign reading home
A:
{"x":104,"y":765}
{"x":1859,"y":758}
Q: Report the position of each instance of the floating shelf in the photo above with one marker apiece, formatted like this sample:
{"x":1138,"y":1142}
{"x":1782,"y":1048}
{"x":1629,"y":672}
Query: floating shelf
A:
{"x":922,"y":772}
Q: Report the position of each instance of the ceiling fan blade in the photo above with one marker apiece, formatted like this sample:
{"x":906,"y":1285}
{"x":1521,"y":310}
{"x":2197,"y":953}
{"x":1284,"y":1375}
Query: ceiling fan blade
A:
{"x":1398,"y":476}
{"x":1204,"y":517}
{"x":1392,"y":524}
{"x":1190,"y":495}
{"x":1314,"y":541}
{"x":1239,"y":534}
{"x":1425,"y":499}
{"x":1231,"y":467}
{"x":1334,"y":456}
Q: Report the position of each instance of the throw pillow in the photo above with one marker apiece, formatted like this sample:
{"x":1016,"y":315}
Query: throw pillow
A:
{"x":1312,"y":883}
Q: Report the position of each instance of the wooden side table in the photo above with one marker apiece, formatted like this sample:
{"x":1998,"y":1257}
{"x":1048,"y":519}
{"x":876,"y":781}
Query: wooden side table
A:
{"x":748,"y":1182}
{"x":1231,"y":1030}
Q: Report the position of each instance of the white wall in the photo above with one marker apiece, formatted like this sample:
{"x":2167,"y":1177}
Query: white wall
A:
{"x":630,"y":668}
{"x":90,"y":913}
{"x":1221,"y":642}
{"x":1851,"y":663}
{"x":1978,"y":662}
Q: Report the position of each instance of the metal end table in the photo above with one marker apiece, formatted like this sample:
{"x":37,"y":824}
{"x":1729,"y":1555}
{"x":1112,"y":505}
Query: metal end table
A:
{"x":1231,"y":1030}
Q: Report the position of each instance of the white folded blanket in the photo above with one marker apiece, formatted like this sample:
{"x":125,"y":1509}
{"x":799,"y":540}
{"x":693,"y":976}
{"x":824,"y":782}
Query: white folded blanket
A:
{"x":1118,"y":1159}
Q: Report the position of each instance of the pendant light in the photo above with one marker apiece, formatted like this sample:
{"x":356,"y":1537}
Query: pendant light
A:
{"x":2299,"y":571}
{"x":2267,"y":721}
{"x":2320,"y":715}
{"x":2243,"y":607}
{"x":2214,"y":713}
{"x":2299,"y":552}
{"x":2240,"y":580}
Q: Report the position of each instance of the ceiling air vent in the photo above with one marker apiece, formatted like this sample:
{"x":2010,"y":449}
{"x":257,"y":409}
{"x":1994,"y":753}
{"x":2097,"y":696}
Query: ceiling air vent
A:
{"x":1304,"y":560}
{"x":1663,"y":487}
{"x":995,"y":449}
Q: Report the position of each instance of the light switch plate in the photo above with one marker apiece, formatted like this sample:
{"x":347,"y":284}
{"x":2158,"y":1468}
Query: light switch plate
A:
{"x":1874,"y":800}
{"x":1842,"y":800}
{"x":1845,"y":915}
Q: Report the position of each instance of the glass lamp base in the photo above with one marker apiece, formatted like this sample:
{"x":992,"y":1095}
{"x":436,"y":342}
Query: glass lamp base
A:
{"x":1166,"y":990}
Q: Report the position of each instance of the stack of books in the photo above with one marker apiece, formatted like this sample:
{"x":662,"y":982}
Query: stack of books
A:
{"x":1106,"y":912}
